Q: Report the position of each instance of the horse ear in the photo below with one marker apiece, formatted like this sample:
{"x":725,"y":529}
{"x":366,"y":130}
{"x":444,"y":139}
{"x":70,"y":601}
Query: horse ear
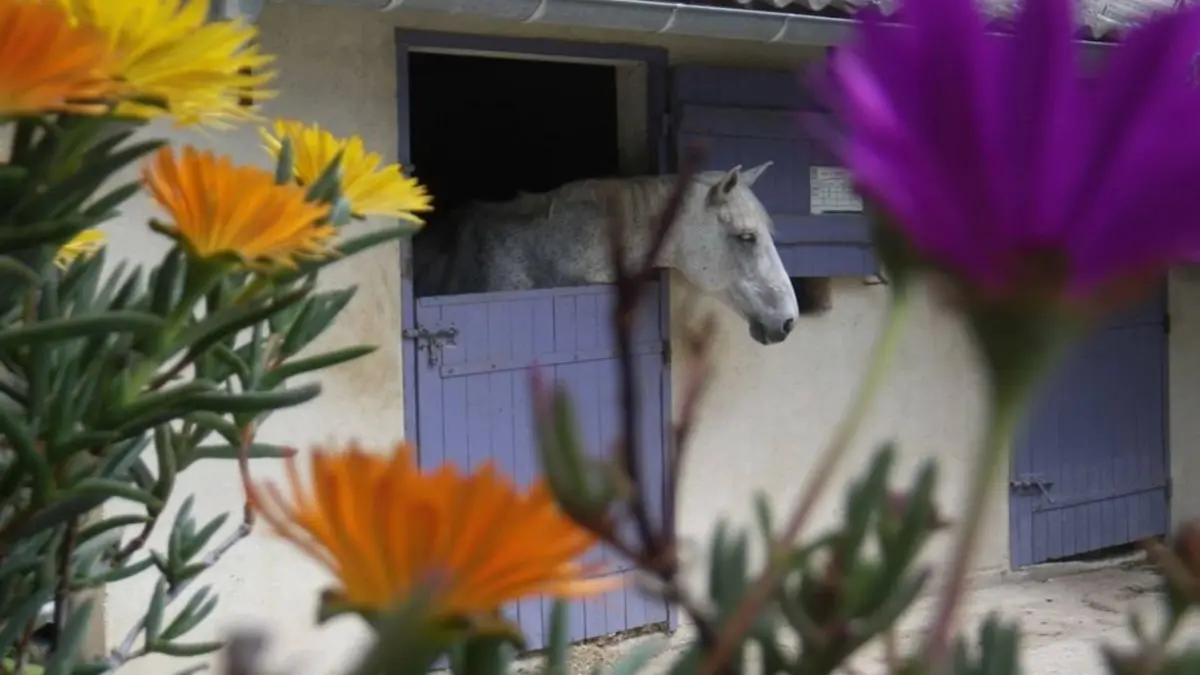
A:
{"x":729,"y":181}
{"x":748,"y":177}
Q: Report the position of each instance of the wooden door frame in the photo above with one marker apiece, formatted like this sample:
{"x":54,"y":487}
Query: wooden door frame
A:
{"x":655,"y":62}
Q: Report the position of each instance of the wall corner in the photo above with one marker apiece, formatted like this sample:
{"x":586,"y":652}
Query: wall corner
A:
{"x":1183,"y":391}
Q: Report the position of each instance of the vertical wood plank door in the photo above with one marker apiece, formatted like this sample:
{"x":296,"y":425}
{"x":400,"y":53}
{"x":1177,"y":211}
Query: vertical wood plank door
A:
{"x":474,"y":405}
{"x":1090,"y":469}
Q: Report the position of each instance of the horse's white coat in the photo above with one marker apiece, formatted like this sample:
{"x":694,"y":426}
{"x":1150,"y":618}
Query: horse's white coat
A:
{"x":722,"y":243}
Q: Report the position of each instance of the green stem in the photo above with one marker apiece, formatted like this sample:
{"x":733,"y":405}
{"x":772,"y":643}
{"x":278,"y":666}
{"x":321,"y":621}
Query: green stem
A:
{"x":877,"y":370}
{"x":199,"y":279}
{"x":994,"y":449}
{"x":407,"y":643}
{"x":1019,"y":343}
{"x":818,"y":479}
{"x":251,"y":290}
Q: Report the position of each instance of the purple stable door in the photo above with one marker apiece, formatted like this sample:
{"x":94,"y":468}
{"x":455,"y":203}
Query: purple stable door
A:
{"x":1090,"y":470}
{"x":468,"y":358}
{"x":473,"y":397}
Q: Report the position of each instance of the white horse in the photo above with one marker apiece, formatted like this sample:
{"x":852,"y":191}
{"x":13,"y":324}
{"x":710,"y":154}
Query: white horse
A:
{"x":721,"y":243}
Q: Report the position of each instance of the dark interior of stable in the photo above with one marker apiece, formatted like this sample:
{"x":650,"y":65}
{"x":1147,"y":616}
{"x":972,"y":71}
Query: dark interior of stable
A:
{"x":487,"y":128}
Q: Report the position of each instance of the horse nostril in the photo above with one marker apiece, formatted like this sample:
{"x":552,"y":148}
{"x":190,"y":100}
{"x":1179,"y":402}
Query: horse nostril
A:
{"x":787,"y":326}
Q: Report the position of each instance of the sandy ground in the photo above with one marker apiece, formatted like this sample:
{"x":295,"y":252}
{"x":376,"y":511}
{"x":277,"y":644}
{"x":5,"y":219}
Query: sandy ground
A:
{"x":1065,"y":613}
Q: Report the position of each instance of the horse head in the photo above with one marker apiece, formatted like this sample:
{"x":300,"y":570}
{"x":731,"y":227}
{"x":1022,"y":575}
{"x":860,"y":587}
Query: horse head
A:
{"x":723,"y":244}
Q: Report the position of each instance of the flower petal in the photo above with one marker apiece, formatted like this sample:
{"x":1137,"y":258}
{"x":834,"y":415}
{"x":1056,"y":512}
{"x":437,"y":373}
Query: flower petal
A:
{"x":1043,"y":138}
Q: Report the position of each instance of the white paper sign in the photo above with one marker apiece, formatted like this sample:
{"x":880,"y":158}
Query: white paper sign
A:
{"x":831,"y":190}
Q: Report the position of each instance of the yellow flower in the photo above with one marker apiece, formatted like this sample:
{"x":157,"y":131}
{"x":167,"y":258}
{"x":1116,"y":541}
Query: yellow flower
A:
{"x":47,"y":64}
{"x":385,"y":530}
{"x":81,"y":246}
{"x":169,"y":52}
{"x":369,"y":188}
{"x":218,"y":208}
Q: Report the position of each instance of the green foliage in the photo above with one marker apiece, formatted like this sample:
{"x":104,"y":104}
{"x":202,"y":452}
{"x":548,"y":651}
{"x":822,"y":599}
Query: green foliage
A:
{"x":486,"y":654}
{"x":998,"y":651}
{"x":839,"y":592}
{"x":815,"y":603}
{"x":116,"y":378}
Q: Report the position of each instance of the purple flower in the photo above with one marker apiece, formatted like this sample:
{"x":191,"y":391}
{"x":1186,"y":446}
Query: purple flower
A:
{"x":1005,"y":165}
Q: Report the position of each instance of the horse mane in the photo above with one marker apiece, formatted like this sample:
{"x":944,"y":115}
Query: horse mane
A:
{"x":435,"y":253}
{"x":447,"y":246}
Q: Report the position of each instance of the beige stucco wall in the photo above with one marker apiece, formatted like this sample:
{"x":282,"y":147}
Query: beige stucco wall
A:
{"x":772,"y":410}
{"x":769,"y":411}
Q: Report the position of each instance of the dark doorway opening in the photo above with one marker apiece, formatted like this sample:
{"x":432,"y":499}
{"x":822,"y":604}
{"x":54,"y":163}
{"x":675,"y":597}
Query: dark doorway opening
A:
{"x":485,"y":128}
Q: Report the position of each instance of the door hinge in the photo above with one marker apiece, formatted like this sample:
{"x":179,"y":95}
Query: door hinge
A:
{"x":1167,"y":323}
{"x":666,"y":352}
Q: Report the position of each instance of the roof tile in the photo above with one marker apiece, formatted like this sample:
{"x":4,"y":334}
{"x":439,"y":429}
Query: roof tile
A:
{"x":1100,"y":18}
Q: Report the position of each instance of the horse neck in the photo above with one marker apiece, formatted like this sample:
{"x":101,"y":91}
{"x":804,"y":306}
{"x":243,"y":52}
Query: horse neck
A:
{"x":641,"y":201}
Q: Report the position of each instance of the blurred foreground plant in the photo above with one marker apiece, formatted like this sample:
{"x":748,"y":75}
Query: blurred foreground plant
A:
{"x":117,"y":378}
{"x":1020,"y":189}
{"x":386,"y":530}
{"x":1022,"y":207}
{"x":996,"y":175}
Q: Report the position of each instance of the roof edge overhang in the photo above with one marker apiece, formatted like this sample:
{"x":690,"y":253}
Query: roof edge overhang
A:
{"x":638,"y":16}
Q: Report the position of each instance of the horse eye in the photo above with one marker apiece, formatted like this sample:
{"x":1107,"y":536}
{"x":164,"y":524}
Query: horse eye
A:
{"x":747,"y":237}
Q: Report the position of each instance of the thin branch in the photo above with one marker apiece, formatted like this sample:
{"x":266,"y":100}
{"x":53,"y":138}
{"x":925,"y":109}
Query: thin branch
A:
{"x":891,"y":651}
{"x":630,"y":286}
{"x":631,"y":448}
{"x":693,"y":159}
{"x":62,"y":593}
{"x":137,"y":542}
{"x":658,"y":553}
{"x":176,"y":369}
{"x":664,"y":569}
{"x":21,"y":652}
{"x":143,"y":536}
{"x":126,"y":652}
{"x":248,"y":434}
{"x":699,"y":373}
{"x":815,"y":483}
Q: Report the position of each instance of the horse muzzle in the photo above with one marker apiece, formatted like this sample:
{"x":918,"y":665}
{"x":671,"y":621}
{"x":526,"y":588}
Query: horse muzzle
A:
{"x":770,"y":335}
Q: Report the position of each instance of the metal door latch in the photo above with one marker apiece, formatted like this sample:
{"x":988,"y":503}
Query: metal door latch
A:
{"x":431,"y":341}
{"x":1033,"y":482}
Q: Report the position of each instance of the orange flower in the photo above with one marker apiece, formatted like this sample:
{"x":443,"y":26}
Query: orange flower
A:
{"x":48,"y":64}
{"x":385,"y":529}
{"x":218,"y":208}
